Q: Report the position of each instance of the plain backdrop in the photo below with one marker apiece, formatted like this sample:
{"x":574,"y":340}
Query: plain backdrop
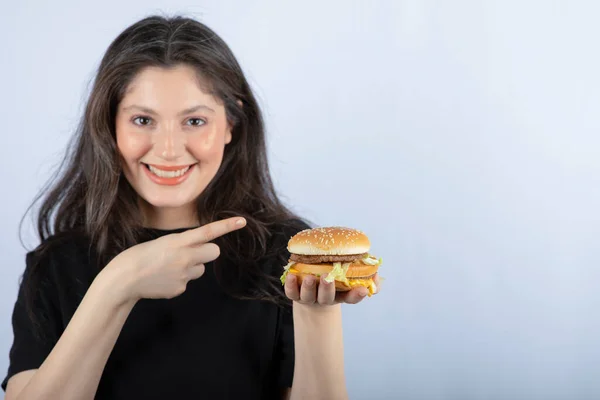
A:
{"x":461,"y":136}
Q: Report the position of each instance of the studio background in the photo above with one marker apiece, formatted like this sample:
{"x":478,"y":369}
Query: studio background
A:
{"x":461,"y":136}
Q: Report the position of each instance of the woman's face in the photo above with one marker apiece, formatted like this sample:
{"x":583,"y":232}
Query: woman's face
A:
{"x":171,"y":136}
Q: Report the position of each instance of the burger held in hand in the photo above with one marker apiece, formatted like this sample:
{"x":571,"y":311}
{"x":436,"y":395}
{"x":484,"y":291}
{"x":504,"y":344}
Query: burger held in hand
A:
{"x":342,"y":254}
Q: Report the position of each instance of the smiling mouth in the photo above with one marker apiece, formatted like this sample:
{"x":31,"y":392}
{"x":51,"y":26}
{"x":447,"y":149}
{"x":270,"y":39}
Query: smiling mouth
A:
{"x":168,"y":172}
{"x":168,"y":175}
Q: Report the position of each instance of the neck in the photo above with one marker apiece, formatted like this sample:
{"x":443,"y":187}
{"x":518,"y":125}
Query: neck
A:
{"x":169,"y":218}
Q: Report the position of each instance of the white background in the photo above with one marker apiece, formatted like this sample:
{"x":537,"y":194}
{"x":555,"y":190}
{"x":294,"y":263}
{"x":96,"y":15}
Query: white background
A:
{"x":462,"y":136}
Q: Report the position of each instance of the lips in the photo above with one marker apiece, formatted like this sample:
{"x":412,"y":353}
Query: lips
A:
{"x":168,"y":175}
{"x":173,"y":172}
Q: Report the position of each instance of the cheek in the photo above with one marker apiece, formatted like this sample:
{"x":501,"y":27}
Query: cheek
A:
{"x":132,"y":146}
{"x":207,"y":147}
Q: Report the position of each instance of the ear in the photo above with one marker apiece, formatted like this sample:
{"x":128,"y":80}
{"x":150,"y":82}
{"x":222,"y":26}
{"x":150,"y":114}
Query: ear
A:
{"x":230,"y":128}
{"x":228,"y":134}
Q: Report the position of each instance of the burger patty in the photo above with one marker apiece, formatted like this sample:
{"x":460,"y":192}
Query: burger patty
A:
{"x":326,"y":259}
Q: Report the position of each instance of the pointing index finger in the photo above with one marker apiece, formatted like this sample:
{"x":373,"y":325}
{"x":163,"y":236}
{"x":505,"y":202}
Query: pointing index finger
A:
{"x":209,"y":232}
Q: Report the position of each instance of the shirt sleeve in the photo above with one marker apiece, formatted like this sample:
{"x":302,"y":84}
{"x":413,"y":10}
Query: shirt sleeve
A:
{"x":34,"y":336}
{"x":284,"y":350}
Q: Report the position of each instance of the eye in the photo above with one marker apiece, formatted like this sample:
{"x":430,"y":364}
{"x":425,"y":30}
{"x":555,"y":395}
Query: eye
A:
{"x":196,"y":122}
{"x":142,"y":121}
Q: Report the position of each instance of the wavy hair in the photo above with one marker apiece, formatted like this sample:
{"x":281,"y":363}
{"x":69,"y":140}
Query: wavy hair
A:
{"x":91,"y":197}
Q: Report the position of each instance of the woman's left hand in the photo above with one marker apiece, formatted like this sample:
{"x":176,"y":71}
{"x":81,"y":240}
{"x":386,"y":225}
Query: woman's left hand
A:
{"x":320,"y":292}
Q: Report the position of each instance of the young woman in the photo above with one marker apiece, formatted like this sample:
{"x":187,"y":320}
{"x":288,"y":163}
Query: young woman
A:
{"x":162,"y":244}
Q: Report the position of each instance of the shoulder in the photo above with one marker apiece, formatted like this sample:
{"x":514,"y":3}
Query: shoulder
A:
{"x":59,"y":257}
{"x":61,"y":247}
{"x":284,"y":230}
{"x":277,"y":254}
{"x":281,"y":233}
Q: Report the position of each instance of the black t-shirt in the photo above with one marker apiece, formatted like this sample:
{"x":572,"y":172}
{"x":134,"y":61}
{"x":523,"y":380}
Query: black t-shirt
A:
{"x":203,"y":344}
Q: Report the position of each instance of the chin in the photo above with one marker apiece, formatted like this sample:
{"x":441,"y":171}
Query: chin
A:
{"x":170,"y":200}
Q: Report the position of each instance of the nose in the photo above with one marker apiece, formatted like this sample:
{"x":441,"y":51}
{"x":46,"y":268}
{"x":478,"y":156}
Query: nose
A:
{"x":169,"y":142}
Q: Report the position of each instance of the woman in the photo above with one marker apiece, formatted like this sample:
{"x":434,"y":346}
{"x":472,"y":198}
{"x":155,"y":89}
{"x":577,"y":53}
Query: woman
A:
{"x":162,"y":243}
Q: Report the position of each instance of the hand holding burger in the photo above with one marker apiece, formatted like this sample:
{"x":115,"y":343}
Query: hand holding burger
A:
{"x":332,"y":265}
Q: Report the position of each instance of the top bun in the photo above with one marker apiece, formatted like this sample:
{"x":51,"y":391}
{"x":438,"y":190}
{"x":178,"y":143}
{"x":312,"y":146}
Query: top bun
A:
{"x":333,"y":240}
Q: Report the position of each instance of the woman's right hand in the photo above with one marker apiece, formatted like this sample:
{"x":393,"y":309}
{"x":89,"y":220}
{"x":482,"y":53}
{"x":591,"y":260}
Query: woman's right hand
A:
{"x":162,"y":268}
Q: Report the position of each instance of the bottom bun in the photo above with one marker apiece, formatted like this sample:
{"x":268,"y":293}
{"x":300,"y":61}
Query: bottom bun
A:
{"x":342,"y":286}
{"x":339,"y":286}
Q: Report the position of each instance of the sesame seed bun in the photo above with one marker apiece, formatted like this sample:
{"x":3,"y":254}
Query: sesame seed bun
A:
{"x":329,"y":241}
{"x":341,"y":254}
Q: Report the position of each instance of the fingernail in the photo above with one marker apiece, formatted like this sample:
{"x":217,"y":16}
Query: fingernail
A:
{"x":363,"y":293}
{"x":309,"y":282}
{"x":240,"y":222}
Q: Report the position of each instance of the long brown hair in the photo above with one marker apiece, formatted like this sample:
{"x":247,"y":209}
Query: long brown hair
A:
{"x":91,"y":196}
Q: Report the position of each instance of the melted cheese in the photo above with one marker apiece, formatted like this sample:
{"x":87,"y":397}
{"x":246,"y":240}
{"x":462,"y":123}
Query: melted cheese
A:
{"x":295,"y":271}
{"x":368,"y":283}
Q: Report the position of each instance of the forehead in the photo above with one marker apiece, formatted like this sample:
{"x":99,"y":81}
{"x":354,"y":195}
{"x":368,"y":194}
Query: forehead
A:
{"x":162,"y":87}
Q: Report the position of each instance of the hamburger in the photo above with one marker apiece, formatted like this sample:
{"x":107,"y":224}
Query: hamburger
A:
{"x":342,"y":254}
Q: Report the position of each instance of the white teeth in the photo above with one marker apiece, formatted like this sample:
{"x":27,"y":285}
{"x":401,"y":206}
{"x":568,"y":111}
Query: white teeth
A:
{"x":168,"y":174}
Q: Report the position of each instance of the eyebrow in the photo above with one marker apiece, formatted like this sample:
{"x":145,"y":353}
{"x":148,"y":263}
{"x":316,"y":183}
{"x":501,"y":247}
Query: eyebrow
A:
{"x":186,"y":111}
